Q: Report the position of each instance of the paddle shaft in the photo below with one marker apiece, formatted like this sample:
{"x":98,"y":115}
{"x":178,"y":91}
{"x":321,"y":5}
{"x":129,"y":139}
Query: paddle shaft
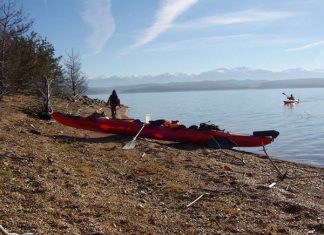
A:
{"x":139,"y":132}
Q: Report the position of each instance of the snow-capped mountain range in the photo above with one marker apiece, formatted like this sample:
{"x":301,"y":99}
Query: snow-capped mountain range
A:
{"x":220,"y":74}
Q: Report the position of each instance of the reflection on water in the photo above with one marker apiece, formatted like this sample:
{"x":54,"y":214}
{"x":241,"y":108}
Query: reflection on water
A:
{"x":301,"y":126}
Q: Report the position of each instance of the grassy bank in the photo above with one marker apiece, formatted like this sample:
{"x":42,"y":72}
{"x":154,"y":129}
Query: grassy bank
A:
{"x":56,"y":181}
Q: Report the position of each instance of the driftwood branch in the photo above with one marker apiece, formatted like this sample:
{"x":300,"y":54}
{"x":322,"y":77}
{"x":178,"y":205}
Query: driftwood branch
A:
{"x":282,"y":176}
{"x":13,"y":155}
{"x":195,"y":200}
{"x":3,"y":231}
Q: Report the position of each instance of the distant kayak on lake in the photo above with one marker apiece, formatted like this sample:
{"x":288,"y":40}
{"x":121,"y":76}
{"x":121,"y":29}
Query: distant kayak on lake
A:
{"x":290,"y":99}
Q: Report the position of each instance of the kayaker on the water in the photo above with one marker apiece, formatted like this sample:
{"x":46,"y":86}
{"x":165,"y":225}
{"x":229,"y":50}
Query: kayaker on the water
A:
{"x":113,"y":102}
{"x":291,"y":97}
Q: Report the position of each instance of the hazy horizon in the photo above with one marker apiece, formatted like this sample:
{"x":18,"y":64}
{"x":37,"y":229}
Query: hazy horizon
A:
{"x":220,"y":78}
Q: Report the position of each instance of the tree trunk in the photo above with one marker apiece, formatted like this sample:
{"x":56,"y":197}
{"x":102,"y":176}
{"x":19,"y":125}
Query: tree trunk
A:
{"x":47,"y":97}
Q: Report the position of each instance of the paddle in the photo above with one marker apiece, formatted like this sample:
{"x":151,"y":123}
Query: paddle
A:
{"x":288,"y":97}
{"x":131,"y":144}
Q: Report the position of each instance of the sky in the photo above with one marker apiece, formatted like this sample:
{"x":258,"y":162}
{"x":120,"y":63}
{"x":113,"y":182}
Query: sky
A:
{"x":150,"y":37}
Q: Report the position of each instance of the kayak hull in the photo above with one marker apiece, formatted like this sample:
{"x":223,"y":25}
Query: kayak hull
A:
{"x":291,"y":101}
{"x":213,"y":138}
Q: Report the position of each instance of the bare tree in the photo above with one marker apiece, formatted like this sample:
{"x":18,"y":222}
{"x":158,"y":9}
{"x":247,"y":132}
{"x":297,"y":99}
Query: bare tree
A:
{"x":76,"y":80}
{"x":13,"y":24}
{"x":47,"y":73}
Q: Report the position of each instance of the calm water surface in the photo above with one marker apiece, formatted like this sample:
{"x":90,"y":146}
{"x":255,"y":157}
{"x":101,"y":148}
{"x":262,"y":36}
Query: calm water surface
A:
{"x":301,"y":126}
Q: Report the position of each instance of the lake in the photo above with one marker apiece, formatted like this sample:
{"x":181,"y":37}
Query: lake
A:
{"x":301,"y":126}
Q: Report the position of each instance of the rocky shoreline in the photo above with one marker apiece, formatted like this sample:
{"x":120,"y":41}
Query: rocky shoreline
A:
{"x":56,"y":180}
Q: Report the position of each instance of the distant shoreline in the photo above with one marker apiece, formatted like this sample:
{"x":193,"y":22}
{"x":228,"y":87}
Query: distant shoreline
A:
{"x":211,"y":86}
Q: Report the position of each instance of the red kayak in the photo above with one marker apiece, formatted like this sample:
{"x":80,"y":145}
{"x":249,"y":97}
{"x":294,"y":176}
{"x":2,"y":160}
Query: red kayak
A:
{"x":213,"y":138}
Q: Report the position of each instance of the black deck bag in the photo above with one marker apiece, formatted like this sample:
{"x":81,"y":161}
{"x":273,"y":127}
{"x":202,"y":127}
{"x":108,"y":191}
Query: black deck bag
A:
{"x":208,"y":127}
{"x":193,"y":127}
{"x":158,"y":122}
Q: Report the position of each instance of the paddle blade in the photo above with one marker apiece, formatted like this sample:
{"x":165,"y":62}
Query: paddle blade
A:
{"x":130,"y":145}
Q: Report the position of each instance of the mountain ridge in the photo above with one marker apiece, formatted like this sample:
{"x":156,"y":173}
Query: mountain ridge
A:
{"x":211,"y":85}
{"x":218,"y":74}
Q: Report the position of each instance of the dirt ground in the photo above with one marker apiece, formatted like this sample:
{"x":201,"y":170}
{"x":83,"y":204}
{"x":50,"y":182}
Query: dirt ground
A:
{"x":56,"y":180}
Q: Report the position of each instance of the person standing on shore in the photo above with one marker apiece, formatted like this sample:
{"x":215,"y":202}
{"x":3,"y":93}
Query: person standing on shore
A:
{"x":113,"y":102}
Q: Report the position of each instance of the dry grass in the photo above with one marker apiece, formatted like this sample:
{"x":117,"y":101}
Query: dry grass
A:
{"x":55,"y":181}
